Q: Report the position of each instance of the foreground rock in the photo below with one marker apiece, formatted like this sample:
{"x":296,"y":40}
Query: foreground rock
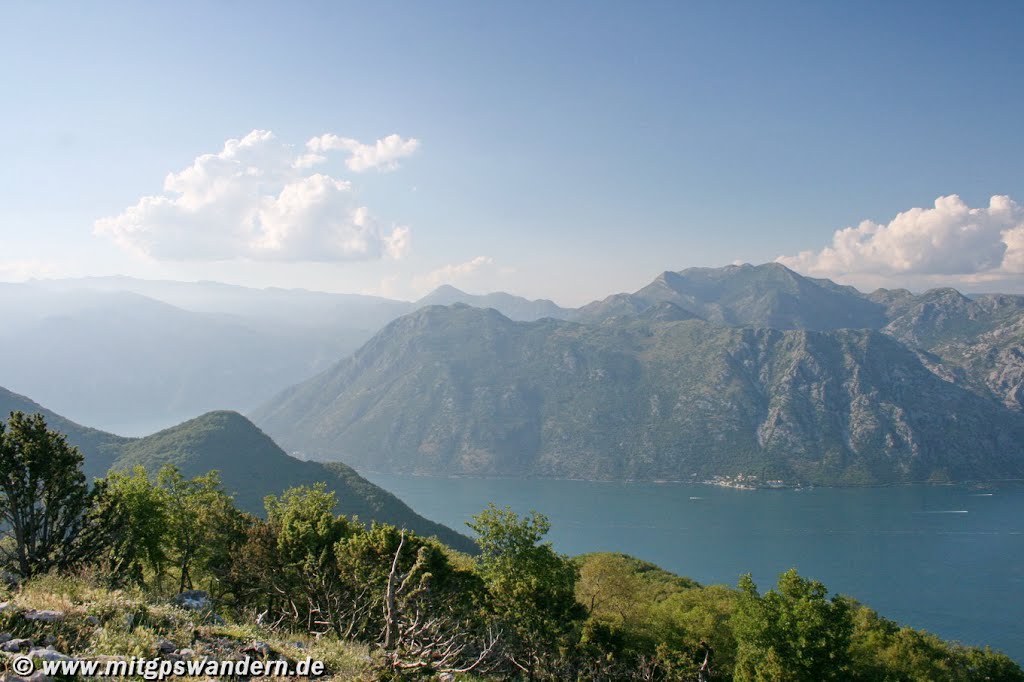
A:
{"x":45,"y":616}
{"x":195,"y":600}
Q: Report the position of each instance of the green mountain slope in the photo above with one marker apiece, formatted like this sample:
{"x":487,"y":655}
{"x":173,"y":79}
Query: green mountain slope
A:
{"x":251,"y":465}
{"x":465,"y":391}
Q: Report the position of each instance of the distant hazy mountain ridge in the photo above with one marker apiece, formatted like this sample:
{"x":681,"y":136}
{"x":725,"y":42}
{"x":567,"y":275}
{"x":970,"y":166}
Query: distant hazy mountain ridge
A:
{"x":136,"y":355}
{"x":512,"y":307}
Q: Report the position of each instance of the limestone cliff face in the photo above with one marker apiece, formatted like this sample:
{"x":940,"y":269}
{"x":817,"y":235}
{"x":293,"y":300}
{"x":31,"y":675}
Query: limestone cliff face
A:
{"x":466,"y":391}
{"x":976,"y":343}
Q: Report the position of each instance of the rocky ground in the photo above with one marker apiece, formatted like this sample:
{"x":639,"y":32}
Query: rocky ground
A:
{"x":54,"y":619}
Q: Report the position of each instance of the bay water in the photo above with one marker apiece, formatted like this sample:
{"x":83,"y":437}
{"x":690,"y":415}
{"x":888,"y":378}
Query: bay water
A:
{"x":948,"y":559}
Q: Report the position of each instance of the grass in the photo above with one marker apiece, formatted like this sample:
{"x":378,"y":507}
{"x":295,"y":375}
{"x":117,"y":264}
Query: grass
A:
{"x":99,"y":621}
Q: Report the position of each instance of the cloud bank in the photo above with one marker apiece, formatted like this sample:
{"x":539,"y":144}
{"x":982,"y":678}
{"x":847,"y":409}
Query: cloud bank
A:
{"x":255,"y":199}
{"x":951,"y":240}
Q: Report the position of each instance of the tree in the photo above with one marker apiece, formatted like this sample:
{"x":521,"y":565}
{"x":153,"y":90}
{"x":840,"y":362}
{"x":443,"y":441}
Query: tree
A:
{"x":305,"y":531}
{"x":204,"y":527}
{"x":608,"y":586}
{"x":696,"y":624}
{"x":645,"y":623}
{"x":133,"y":513}
{"x":793,"y":633}
{"x":306,"y":523}
{"x":44,"y":498}
{"x":255,"y":574}
{"x":423,"y":611}
{"x":884,"y":650}
{"x":532,"y":587}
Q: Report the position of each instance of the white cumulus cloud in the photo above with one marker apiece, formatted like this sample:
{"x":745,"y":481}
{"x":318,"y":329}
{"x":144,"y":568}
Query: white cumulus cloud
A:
{"x":255,"y":200}
{"x":950,"y":239}
{"x":383,"y":154}
{"x":455,"y":274}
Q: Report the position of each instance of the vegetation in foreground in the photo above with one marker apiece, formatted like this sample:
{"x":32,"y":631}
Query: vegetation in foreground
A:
{"x":250,"y":464}
{"x":116,"y":565}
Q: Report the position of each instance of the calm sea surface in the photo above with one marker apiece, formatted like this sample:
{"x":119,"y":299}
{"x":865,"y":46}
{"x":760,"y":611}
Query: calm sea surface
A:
{"x":949,"y":559}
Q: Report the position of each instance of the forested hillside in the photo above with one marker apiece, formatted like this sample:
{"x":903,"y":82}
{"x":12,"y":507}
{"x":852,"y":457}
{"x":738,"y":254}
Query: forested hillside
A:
{"x":250,"y":464}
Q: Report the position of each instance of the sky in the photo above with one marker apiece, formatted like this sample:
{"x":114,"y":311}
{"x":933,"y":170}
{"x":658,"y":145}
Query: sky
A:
{"x":560,"y":150}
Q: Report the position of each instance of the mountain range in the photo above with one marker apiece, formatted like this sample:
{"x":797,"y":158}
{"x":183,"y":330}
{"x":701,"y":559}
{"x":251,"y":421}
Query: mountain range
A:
{"x":251,"y":465}
{"x":133,"y":356}
{"x":705,"y":372}
{"x":744,"y":370}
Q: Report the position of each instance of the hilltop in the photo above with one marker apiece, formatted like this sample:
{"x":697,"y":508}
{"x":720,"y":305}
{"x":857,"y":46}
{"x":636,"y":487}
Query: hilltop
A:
{"x":769,"y":295}
{"x":251,"y":465}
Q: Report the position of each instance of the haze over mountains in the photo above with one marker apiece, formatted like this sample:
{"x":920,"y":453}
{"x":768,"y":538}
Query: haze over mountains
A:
{"x":704,"y":372}
{"x":134,"y":356}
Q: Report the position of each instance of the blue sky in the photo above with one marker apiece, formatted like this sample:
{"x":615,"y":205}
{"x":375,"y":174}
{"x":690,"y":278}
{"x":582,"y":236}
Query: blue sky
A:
{"x":565,"y":150}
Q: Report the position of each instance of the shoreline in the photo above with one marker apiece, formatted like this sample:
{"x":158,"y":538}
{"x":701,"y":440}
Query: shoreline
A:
{"x":746,"y":485}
